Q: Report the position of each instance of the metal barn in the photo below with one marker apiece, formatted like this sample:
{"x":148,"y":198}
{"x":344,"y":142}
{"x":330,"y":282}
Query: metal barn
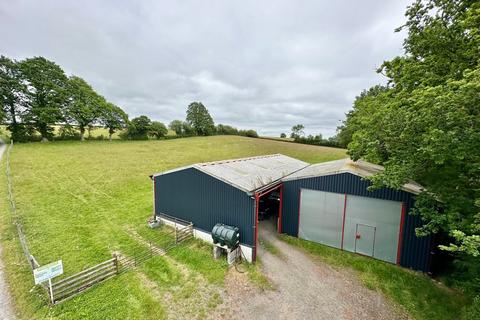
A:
{"x":225,"y":192}
{"x":330,"y":203}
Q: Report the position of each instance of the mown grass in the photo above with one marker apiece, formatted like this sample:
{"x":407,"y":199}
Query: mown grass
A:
{"x":267,"y":245}
{"x":257,"y":277}
{"x":76,"y":200}
{"x":416,"y":293}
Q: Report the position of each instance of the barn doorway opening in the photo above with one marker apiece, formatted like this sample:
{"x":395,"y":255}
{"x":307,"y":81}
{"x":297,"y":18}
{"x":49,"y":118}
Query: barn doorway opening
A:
{"x":268,"y":212}
{"x":268,"y":207}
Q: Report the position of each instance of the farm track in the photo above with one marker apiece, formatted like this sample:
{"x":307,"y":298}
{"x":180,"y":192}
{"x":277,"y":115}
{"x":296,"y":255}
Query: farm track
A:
{"x":6,"y":309}
{"x":305,"y":289}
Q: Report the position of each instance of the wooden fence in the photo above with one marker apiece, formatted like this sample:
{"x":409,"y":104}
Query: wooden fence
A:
{"x":71,"y":286}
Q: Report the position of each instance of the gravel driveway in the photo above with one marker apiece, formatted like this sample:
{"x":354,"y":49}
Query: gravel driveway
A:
{"x":6,"y":311}
{"x":305,"y":289}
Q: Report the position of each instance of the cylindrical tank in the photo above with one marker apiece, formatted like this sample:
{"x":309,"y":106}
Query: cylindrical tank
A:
{"x":226,"y":235}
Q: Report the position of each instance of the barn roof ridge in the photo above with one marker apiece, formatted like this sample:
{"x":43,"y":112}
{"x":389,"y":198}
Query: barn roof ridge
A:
{"x":359,"y":168}
{"x":248,"y":174}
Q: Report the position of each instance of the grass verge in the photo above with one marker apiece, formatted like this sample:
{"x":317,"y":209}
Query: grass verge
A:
{"x":268,"y":246}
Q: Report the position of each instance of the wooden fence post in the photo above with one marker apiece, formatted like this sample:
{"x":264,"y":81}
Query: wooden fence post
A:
{"x":115,"y":256}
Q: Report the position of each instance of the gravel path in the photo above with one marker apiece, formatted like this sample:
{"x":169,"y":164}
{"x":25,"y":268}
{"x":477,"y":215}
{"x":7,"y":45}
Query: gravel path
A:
{"x":305,"y":289}
{"x":6,"y":310}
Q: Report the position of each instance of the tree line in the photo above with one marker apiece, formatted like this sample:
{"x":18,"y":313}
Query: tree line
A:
{"x":200,"y":122}
{"x":36,"y":96}
{"x":298,"y":135}
{"x":424,"y":125}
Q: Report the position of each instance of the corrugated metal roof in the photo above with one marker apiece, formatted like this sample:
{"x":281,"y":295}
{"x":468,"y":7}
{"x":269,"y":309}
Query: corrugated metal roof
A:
{"x":249,"y":174}
{"x":360,"y":168}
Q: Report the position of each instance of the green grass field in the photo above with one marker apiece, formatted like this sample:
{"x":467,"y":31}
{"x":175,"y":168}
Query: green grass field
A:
{"x":77,"y":200}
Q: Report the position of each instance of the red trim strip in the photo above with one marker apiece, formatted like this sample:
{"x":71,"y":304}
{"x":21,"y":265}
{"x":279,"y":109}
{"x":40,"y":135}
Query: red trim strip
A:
{"x":299,"y":206}
{"x":154,"y":197}
{"x":280,"y":206}
{"x":400,"y":235}
{"x":343,"y":223}
{"x":269,"y":190}
{"x":257,"y":202}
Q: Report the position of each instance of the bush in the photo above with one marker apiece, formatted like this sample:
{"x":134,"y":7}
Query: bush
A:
{"x":22,"y":133}
{"x":317,"y":140}
{"x":226,"y":130}
{"x":248,"y":133}
{"x":67,"y":132}
{"x":473,"y":311}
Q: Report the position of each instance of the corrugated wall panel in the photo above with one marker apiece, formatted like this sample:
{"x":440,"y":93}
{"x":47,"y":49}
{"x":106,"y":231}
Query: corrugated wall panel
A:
{"x":195,"y":196}
{"x":415,"y":250}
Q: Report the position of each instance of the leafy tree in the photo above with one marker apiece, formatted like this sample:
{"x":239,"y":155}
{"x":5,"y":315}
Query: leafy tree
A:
{"x":297,"y":131}
{"x":12,"y":92}
{"x":46,"y":93}
{"x":248,"y":133}
{"x":425,"y":125}
{"x":113,"y":118}
{"x":84,"y":105}
{"x":177,"y":126}
{"x":187,"y":129}
{"x":283,"y":135}
{"x":200,"y":120}
{"x":157,"y":129}
{"x":226,"y":130}
{"x":138,"y":128}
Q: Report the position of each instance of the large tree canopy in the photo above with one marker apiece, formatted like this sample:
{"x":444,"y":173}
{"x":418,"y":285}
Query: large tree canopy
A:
{"x":47,"y":94}
{"x":113,"y":118}
{"x":84,"y":105}
{"x":157,"y":130}
{"x":200,"y":120}
{"x":35,"y":95}
{"x":11,"y":91}
{"x":425,"y":124}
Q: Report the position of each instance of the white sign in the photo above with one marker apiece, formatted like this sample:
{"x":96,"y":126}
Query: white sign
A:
{"x":48,"y":271}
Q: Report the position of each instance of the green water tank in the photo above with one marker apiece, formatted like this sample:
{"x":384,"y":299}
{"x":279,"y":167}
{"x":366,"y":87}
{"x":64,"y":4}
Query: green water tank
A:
{"x":226,"y":235}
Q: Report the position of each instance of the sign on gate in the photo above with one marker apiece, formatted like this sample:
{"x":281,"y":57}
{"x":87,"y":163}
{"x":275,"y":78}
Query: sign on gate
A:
{"x":48,"y":271}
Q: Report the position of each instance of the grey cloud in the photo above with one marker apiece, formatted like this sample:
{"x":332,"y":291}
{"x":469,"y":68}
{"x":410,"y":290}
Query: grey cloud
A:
{"x":264,"y":65}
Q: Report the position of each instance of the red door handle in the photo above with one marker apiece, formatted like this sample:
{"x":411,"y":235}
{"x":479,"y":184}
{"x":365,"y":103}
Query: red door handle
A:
{"x":357,"y":236}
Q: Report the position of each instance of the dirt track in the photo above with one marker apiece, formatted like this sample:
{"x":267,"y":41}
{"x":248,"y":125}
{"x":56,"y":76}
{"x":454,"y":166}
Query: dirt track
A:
{"x":306,"y":289}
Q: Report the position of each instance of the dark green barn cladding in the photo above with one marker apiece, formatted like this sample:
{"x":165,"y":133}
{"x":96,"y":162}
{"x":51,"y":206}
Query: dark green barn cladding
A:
{"x":415,"y":251}
{"x":195,"y":196}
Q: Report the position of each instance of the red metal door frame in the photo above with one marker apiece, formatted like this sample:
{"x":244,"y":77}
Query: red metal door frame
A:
{"x":257,"y":201}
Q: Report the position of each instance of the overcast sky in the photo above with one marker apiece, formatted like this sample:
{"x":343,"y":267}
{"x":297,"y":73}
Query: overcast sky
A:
{"x":265,"y":65}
